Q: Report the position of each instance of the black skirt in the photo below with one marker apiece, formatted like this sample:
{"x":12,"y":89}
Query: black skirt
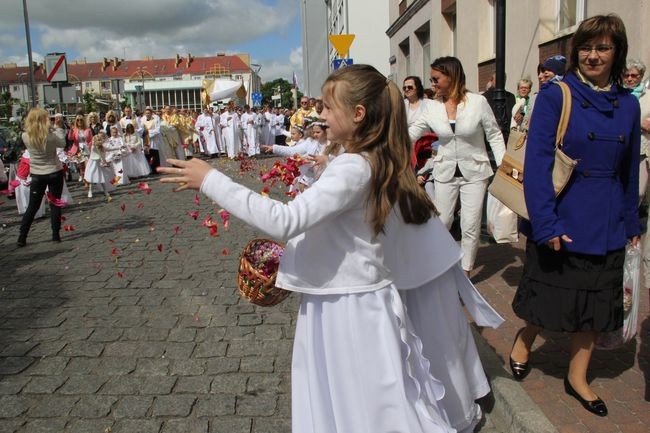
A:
{"x":571,"y":292}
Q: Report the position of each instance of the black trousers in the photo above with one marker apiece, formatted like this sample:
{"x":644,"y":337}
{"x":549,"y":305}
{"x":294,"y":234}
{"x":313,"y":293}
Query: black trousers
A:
{"x":53,"y":181}
{"x":154,"y":160}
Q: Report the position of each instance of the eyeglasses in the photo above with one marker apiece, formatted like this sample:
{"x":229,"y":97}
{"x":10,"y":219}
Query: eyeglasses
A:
{"x":304,"y":102}
{"x":630,"y":75}
{"x":405,"y":88}
{"x":585,"y":50}
{"x":433,"y":80}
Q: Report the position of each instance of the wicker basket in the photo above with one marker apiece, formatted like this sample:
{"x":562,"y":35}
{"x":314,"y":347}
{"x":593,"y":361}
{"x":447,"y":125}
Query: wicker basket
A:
{"x":253,"y":285}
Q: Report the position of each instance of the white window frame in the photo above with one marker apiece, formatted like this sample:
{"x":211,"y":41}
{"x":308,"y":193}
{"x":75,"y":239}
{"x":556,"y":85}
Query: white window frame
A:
{"x":580,"y":16}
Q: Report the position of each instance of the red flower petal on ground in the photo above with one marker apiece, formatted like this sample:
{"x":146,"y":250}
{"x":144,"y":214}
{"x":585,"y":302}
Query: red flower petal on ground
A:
{"x":196,"y":199}
{"x":214,"y":231}
{"x":62,"y":218}
{"x":176,"y":251}
{"x":55,"y":201}
{"x":68,"y":228}
{"x":194,"y":214}
{"x":140,"y":205}
{"x":115,"y":252}
{"x":123,"y":207}
{"x":160,"y":247}
{"x":225,"y":251}
{"x":120,"y":274}
{"x":176,"y":230}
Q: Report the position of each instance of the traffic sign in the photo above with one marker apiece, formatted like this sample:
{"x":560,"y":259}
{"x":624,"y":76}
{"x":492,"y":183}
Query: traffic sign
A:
{"x":341,"y":43}
{"x":341,"y":63}
{"x":56,"y":67}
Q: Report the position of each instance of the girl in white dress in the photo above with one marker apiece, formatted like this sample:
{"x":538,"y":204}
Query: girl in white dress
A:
{"x":357,"y":360}
{"x":98,"y":171}
{"x":115,"y":149}
{"x":134,"y":162}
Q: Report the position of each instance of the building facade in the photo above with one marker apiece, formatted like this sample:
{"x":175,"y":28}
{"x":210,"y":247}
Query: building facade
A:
{"x":148,"y":82}
{"x":315,"y":49}
{"x":422,"y":30}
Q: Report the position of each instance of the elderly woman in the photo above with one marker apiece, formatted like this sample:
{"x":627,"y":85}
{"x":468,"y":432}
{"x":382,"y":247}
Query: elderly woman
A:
{"x":414,"y":98}
{"x":576,"y":241}
{"x":522,"y":102}
{"x":461,"y":168}
{"x":42,"y":141}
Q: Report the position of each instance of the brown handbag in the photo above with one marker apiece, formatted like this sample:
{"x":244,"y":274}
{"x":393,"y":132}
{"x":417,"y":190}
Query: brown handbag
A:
{"x":508,"y":183}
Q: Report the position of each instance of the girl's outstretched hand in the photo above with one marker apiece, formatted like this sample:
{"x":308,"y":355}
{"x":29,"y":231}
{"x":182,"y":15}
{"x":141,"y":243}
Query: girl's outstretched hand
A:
{"x":187,"y":174}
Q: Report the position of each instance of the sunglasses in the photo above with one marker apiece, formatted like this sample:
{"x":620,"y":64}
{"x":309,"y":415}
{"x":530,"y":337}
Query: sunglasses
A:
{"x":630,"y":75}
{"x":433,"y":80}
{"x":405,"y":88}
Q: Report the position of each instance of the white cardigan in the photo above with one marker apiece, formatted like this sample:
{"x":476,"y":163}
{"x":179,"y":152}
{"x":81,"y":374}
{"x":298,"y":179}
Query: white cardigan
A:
{"x":466,"y":146}
{"x":331,"y":247}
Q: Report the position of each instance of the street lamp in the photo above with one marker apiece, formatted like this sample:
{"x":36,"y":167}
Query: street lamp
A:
{"x":20,"y":75}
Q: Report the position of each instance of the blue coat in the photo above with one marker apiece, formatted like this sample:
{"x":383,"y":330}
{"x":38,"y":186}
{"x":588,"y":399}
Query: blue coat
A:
{"x":598,"y":207}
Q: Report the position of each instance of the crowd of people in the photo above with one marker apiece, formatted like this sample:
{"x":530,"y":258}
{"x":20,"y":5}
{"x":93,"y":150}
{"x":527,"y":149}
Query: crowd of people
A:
{"x":361,"y":204}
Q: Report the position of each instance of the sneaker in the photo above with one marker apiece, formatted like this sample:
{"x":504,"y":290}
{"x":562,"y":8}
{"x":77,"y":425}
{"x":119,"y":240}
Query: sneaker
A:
{"x":108,"y":198}
{"x":90,"y":193}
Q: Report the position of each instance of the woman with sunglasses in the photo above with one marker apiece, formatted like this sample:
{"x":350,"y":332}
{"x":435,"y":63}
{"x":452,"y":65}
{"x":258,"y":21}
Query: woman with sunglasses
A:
{"x":575,"y":251}
{"x":461,"y":169}
{"x":414,"y":98}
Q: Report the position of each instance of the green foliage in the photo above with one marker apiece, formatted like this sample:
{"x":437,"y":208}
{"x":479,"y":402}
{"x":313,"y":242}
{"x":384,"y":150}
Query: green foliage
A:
{"x":6,"y":104}
{"x":89,"y":102}
{"x":269,"y":89}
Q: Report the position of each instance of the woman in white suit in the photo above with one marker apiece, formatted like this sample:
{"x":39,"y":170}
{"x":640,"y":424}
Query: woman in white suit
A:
{"x":461,"y":168}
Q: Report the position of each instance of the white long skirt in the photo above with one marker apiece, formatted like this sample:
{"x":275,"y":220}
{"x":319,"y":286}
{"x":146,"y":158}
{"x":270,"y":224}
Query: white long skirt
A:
{"x":439,"y":320}
{"x":118,"y":170}
{"x":22,"y":198}
{"x":95,"y":173}
{"x":357,"y":367}
{"x":135,"y":164}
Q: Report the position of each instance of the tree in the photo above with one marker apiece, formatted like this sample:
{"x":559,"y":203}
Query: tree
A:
{"x":269,"y":89}
{"x":89,"y":101}
{"x":6,"y":104}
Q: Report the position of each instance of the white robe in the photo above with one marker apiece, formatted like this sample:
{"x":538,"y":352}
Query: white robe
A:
{"x":230,"y":133}
{"x":250,"y":122}
{"x":155,"y":138}
{"x":265,"y":133}
{"x":205,"y":129}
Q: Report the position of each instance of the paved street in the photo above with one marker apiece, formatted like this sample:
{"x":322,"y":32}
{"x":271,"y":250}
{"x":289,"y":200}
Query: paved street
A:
{"x":133,"y":324}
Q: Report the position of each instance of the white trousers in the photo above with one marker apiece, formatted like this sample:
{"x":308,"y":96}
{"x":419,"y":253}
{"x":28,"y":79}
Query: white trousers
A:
{"x":472,"y":194}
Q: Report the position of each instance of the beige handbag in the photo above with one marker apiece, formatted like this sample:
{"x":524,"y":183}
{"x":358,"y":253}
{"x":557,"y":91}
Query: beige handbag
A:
{"x":508,"y":183}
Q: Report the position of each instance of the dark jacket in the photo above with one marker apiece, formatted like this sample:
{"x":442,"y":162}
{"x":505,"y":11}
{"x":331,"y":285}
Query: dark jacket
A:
{"x":598,"y":207}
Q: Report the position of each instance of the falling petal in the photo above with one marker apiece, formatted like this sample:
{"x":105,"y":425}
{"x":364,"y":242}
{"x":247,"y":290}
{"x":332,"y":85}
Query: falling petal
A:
{"x":68,"y":228}
{"x":196,"y":318}
{"x":196,"y":199}
{"x":207,"y":222}
{"x":55,"y":201}
{"x":62,"y":218}
{"x":123,"y":207}
{"x":225,"y":251}
{"x":160,"y":247}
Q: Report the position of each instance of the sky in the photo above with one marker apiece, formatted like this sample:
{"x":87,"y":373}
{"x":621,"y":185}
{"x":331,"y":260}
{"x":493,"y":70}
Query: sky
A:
{"x":268,"y":30}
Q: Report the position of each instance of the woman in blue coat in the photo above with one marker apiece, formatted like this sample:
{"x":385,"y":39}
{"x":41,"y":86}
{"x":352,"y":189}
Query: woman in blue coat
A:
{"x":572,"y":278}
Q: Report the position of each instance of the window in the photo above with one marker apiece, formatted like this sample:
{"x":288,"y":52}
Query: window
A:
{"x":15,"y":88}
{"x":424,"y":38}
{"x":569,"y":14}
{"x":450,"y":19}
{"x":405,"y":48}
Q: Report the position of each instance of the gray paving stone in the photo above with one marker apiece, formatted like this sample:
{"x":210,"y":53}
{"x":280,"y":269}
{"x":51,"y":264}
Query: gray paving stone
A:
{"x":132,"y":407}
{"x":83,"y":348}
{"x":231,"y":383}
{"x":11,"y":425}
{"x":182,"y":335}
{"x":269,"y":332}
{"x":222,"y":365}
{"x":185,"y":426}
{"x":257,"y":364}
{"x":187,"y":367}
{"x":51,"y":406}
{"x":145,"y":334}
{"x":81,"y":366}
{"x":173,"y":405}
{"x":192,"y":385}
{"x":122,"y":385}
{"x":17,"y":349}
{"x":44,"y":384}
{"x":90,"y":425}
{"x":93,"y":406}
{"x":12,"y":405}
{"x":250,"y":319}
{"x":152,"y":367}
{"x":215,"y":405}
{"x":230,"y":425}
{"x":142,"y":349}
{"x":49,"y":425}
{"x":47,"y":348}
{"x":13,"y":384}
{"x":115,"y":365}
{"x":85,"y":384}
{"x":240,"y":333}
{"x":137,"y":425}
{"x":210,"y":350}
{"x":271,"y":425}
{"x":106,"y":334}
{"x":256,"y":405}
{"x":14,"y":365}
{"x":158,"y":385}
{"x":179,"y":350}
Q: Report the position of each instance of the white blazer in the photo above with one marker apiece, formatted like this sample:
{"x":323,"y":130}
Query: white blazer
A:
{"x":466,"y":146}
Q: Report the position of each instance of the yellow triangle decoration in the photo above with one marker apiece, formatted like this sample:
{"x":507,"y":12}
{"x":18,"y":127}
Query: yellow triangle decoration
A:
{"x":341,"y":43}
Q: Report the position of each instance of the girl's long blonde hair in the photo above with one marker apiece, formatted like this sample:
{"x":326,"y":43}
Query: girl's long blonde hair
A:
{"x":382,"y":137}
{"x":37,"y":126}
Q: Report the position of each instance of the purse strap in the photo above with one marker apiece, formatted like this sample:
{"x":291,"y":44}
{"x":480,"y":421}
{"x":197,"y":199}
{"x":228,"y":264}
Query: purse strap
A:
{"x":566,"y":114}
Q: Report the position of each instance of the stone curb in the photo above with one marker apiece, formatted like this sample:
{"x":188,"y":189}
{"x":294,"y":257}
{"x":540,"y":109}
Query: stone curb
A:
{"x":510,"y":407}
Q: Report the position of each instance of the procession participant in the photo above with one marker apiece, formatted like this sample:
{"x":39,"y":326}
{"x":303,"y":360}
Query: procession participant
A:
{"x":111,"y":120}
{"x":250,"y":121}
{"x":229,"y":130}
{"x":128,"y":118}
{"x":207,"y":136}
{"x":92,"y":120}
{"x":153,"y":145}
{"x":278,"y":126}
{"x":265,"y":130}
{"x":98,"y":170}
{"x":305,"y":110}
{"x":171,"y":137}
{"x":216,"y":121}
{"x":134,"y":162}
{"x":115,"y":149}
{"x":81,"y":137}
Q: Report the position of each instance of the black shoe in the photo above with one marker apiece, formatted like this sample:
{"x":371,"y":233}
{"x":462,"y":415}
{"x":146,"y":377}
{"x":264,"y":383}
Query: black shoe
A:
{"x":56,"y":237}
{"x":519,"y":369}
{"x":597,"y":407}
{"x":22,"y":241}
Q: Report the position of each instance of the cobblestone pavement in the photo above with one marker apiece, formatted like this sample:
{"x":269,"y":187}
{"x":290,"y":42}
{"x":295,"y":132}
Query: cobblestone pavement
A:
{"x":620,"y":377}
{"x":133,"y":323}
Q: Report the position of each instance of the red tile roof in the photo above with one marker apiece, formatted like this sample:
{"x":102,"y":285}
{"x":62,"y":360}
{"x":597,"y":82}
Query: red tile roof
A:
{"x":126,"y":69}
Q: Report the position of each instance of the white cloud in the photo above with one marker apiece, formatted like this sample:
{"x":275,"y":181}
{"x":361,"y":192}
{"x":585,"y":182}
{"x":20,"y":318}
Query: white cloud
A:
{"x":93,"y":29}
